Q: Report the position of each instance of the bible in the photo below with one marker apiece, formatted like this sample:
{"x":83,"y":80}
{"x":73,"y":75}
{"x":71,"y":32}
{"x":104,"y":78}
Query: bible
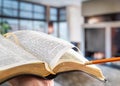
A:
{"x":29,"y":52}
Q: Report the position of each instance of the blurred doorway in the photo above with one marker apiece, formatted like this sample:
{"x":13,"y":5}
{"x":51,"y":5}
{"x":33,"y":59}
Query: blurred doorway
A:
{"x":115,"y":32}
{"x":94,"y":42}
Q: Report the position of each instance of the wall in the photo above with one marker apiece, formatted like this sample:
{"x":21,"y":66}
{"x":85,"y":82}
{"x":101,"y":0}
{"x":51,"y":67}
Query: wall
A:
{"x":75,"y":21}
{"x":97,"y":7}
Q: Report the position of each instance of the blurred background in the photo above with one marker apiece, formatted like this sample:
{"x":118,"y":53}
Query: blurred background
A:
{"x":91,"y":25}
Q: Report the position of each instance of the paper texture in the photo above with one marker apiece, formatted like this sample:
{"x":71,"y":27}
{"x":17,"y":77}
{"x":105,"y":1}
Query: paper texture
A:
{"x":73,"y":56}
{"x":12,"y":55}
{"x":45,"y":47}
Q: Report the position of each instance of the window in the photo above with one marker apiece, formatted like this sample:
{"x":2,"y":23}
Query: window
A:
{"x":0,"y":3}
{"x":55,"y":29}
{"x":11,"y":4}
{"x":60,"y":28}
{"x":26,"y":10}
{"x":26,"y":25}
{"x":53,"y":14}
{"x":25,"y":6}
{"x":63,"y":31}
{"x":62,"y":14}
{"x":0,"y":20}
{"x":39,"y":16}
{"x":25,"y":14}
{"x":53,"y":11}
{"x":10,"y":8}
{"x":0,"y":11}
{"x":39,"y":12}
{"x":13,"y":23}
{"x":39,"y":26}
{"x":9,"y":12}
{"x":0,"y":7}
{"x":39,"y":9}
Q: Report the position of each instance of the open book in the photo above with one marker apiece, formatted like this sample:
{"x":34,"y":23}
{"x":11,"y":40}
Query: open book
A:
{"x":36,"y":53}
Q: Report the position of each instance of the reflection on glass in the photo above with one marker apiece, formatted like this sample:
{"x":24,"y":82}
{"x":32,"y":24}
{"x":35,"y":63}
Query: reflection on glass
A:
{"x":25,"y":6}
{"x":10,"y":12}
{"x":26,"y":14}
{"x":39,"y":9}
{"x":10,"y":4}
{"x":26,"y":25}
{"x":12,"y":22}
{"x":39,"y":16}
{"x":39,"y":26}
{"x":63,"y":30}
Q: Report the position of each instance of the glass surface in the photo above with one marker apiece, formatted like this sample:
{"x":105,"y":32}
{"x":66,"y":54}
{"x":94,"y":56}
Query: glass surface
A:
{"x":25,"y":14}
{"x":53,"y":11}
{"x":40,"y":9}
{"x":26,"y":25}
{"x":0,"y":19}
{"x":62,"y":14}
{"x":63,"y":30}
{"x":62,"y":17}
{"x":10,"y":12}
{"x":26,"y":6}
{"x":62,"y":11}
{"x":0,"y":11}
{"x":39,"y":16}
{"x":53,"y":17}
{"x":39,"y":26}
{"x":12,"y":22}
{"x":0,"y":7}
{"x":0,"y":3}
{"x":10,"y":4}
{"x":53,"y":14}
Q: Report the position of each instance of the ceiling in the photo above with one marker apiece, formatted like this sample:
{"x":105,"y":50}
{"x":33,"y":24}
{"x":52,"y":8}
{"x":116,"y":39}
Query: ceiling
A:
{"x":57,"y":3}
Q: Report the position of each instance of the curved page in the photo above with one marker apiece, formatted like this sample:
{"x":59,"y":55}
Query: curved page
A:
{"x":12,"y":55}
{"x":45,"y":47}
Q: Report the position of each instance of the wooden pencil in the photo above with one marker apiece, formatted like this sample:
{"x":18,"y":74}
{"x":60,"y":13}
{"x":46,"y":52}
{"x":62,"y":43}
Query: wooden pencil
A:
{"x":113,"y":59}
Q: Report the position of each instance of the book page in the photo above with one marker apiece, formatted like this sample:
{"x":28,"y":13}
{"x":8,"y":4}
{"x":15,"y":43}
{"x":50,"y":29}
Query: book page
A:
{"x":45,"y":47}
{"x":73,"y":56}
{"x":73,"y":60}
{"x":12,"y":55}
